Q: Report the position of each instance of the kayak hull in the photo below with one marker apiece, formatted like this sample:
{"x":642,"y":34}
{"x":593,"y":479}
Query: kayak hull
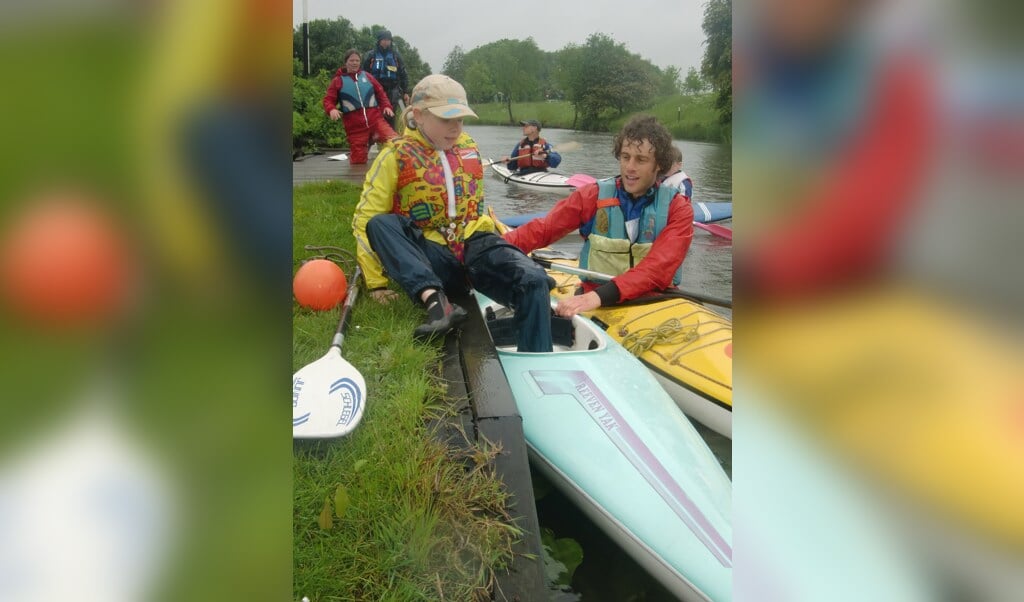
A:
{"x":603,"y":430}
{"x":539,"y":180}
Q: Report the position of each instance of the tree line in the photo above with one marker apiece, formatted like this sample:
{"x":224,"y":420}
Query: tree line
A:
{"x":600,"y":78}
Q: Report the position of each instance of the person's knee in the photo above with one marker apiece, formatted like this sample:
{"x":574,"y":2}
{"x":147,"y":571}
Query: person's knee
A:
{"x":538,"y":277}
{"x":378,"y":221}
{"x":382,"y":223}
{"x":536,"y":282}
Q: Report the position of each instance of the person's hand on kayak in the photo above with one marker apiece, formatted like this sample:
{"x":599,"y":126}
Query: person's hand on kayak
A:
{"x":571,"y":306}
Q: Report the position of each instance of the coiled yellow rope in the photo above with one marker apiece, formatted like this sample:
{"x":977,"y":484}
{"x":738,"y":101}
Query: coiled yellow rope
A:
{"x":669,"y":332}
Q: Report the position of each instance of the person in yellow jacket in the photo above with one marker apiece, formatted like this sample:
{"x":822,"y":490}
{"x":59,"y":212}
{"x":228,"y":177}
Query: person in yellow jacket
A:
{"x":421,"y":221}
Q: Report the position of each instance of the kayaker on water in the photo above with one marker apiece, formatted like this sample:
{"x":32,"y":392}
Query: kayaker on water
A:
{"x":421,"y":221}
{"x":631,"y":226}
{"x":358,"y":99}
{"x":532,"y":153}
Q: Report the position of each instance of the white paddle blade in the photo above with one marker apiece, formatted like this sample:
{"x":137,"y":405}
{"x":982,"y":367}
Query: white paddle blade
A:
{"x":341,"y":157}
{"x":328,"y":398}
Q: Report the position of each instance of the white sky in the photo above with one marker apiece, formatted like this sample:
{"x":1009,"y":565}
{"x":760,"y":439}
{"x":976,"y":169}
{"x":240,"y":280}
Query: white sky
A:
{"x":665,"y":32}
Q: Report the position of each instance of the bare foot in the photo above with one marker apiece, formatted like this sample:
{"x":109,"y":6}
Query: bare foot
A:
{"x":384,"y":295}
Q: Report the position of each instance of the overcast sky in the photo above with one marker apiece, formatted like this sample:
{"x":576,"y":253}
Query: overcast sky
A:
{"x":665,"y":32}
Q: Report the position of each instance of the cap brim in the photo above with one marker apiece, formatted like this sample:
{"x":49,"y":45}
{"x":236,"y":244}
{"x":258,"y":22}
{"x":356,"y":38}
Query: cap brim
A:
{"x":452,"y":111}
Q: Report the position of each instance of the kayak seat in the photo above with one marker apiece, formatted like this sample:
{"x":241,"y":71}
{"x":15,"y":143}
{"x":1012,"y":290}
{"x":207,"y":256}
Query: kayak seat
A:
{"x":503,"y":330}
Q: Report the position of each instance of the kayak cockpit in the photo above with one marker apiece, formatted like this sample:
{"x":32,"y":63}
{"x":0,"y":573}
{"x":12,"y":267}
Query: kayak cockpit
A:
{"x":575,"y":335}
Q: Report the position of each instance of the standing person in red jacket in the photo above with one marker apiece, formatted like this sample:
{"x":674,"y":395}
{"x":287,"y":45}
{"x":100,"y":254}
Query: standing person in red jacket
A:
{"x":631,"y":226}
{"x":359,"y":100}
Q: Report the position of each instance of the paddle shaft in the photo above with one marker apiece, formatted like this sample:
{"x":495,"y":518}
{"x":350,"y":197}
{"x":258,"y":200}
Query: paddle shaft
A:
{"x":598,"y":276}
{"x":346,"y":310}
{"x":517,"y":157}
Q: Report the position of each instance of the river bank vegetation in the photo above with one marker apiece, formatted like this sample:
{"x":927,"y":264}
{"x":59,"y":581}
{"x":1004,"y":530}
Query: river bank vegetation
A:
{"x":594,"y":86}
{"x":388,"y":512}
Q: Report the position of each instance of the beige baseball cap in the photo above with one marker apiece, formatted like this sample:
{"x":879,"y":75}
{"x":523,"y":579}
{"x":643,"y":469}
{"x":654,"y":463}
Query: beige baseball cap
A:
{"x":442,"y":96}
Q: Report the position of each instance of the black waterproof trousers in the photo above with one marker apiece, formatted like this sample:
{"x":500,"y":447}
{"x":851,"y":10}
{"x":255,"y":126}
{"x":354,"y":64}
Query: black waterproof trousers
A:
{"x":492,"y":266}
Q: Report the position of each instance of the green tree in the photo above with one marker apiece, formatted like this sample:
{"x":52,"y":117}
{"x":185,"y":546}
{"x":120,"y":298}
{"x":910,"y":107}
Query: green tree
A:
{"x":329,"y":39}
{"x":567,"y":74}
{"x":455,"y":64}
{"x":479,"y":84}
{"x":717,"y":63}
{"x":668,"y":81}
{"x":694,"y":83}
{"x":311,"y":128}
{"x":513,"y":66}
{"x":603,"y":76}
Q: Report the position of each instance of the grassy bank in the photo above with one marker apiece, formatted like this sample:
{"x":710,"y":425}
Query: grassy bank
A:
{"x":687,"y":117}
{"x":418,"y":525}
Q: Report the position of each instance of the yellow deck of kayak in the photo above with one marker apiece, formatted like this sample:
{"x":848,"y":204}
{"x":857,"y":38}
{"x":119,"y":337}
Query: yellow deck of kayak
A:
{"x":681,"y":339}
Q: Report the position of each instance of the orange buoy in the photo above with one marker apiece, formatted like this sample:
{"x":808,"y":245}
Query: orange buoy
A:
{"x":65,"y":261}
{"x":319,"y":284}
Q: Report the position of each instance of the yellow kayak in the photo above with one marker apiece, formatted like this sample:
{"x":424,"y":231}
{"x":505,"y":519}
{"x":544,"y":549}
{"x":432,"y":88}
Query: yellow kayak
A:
{"x":686,"y":346}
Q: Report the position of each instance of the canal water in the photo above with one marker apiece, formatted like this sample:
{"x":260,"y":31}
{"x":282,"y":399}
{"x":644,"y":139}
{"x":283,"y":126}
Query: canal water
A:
{"x":607,"y":572}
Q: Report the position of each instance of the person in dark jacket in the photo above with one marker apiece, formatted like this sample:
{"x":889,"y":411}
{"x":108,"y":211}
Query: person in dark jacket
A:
{"x":385,"y":64}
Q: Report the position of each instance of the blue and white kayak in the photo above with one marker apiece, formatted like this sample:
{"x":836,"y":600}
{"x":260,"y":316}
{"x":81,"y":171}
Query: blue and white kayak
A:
{"x":604,"y":431}
{"x":703,"y":213}
{"x":540,"y":180}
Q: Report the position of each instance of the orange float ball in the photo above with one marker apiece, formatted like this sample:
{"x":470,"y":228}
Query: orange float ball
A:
{"x":319,"y":284}
{"x":65,"y":261}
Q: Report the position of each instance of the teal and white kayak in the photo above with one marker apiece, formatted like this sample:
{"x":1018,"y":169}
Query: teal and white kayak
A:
{"x":605,"y":432}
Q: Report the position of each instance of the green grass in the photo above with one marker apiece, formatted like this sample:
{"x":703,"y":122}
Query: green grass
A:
{"x":557,"y":114}
{"x":695,"y":119}
{"x":424,"y":521}
{"x":687,"y":117}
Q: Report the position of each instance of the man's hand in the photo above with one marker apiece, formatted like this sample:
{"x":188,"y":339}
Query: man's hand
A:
{"x":335,"y":114}
{"x":571,"y":306}
{"x":389,"y":113}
